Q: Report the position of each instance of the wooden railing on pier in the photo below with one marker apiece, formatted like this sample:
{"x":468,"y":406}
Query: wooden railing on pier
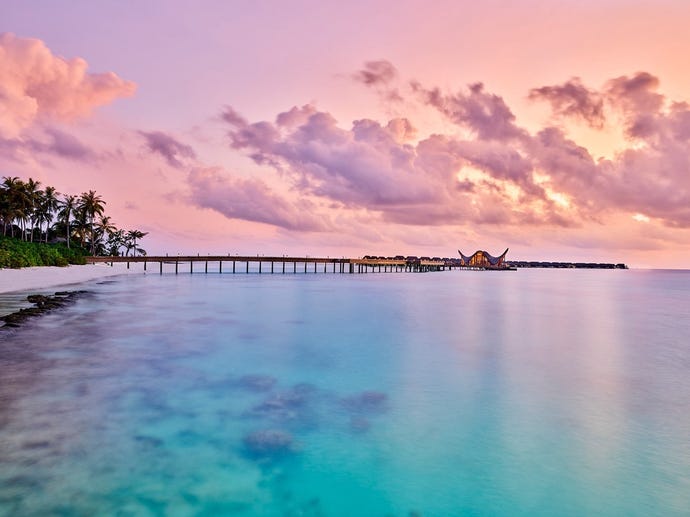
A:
{"x":261,"y":264}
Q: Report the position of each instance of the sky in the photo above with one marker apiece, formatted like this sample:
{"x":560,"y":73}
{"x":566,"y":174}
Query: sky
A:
{"x":559,"y":129}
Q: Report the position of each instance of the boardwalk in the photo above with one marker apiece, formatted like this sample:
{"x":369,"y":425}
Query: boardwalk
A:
{"x":281,"y":265}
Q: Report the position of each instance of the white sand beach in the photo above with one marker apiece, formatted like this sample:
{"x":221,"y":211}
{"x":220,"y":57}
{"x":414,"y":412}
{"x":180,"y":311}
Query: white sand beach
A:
{"x":26,"y":279}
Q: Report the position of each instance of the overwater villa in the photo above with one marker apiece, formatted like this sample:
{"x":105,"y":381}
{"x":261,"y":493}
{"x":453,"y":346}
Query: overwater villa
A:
{"x":482,"y":259}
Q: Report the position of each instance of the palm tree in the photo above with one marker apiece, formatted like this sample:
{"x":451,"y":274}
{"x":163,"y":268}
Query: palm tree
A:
{"x":5,"y":208}
{"x":33,"y":199}
{"x":131,"y":237}
{"x":92,"y":205}
{"x":68,"y":205}
{"x":13,"y":187}
{"x":116,"y":239}
{"x":49,"y":206}
{"x":43,"y":211}
{"x":104,"y":228}
{"x":80,"y":224}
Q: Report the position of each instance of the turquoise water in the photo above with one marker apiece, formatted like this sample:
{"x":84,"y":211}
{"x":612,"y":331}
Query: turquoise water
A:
{"x":536,"y":392}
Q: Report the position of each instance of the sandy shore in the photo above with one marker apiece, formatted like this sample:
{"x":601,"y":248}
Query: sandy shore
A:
{"x":26,"y":279}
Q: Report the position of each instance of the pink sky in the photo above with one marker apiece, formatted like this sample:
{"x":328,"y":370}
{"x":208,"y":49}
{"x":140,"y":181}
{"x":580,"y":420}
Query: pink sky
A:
{"x":558,"y":129}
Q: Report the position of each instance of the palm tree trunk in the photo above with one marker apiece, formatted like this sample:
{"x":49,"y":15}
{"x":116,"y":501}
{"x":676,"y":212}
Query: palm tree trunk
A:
{"x":93,"y":241}
{"x":67,"y":226}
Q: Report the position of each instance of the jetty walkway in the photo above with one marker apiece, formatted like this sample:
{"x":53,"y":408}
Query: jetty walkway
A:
{"x":282,"y":265}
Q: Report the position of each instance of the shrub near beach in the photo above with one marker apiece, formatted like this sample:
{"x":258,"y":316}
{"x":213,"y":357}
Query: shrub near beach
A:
{"x":15,"y":254}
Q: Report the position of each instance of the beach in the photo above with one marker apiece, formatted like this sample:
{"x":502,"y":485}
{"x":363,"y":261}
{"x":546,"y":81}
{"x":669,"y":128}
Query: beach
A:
{"x":31,"y":278}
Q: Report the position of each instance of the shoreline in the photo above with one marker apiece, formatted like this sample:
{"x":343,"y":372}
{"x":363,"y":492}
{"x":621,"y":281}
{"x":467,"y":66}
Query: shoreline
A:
{"x":17,"y":281}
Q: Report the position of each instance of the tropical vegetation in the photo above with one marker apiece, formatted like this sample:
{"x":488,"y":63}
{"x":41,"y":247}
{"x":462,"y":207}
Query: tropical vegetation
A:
{"x":40,"y":226}
{"x":15,"y":253}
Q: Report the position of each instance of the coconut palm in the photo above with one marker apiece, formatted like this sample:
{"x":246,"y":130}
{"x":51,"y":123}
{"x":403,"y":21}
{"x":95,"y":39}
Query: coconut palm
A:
{"x":80,"y":224}
{"x":68,"y":206}
{"x":14,"y":202}
{"x":48,"y":205}
{"x":104,"y":228}
{"x":91,"y":204}
{"x":5,"y":208}
{"x":32,"y":195}
{"x":116,"y":239}
{"x":131,"y":241}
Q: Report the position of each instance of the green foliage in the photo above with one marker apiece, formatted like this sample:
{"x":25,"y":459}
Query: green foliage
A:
{"x":15,"y":253}
{"x":28,"y":211}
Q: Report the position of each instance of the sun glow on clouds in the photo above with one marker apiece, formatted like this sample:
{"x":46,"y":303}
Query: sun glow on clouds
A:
{"x":558,"y":198}
{"x":641,"y":218}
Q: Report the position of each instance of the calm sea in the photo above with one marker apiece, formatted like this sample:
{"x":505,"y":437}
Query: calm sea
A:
{"x":528,"y":393}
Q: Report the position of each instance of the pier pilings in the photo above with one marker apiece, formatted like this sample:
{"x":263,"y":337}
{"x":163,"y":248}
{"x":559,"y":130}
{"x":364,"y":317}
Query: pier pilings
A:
{"x":306,"y":265}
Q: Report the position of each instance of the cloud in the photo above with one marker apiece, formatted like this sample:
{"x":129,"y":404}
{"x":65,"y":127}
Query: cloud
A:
{"x":638,"y":101}
{"x":573,"y":99}
{"x":46,"y":141}
{"x":484,"y":113}
{"x":498,"y":173}
{"x":59,"y":144}
{"x":168,"y":147}
{"x":379,"y":168}
{"x":636,"y":93}
{"x":364,"y":166}
{"x":251,"y":200}
{"x":376,"y":72}
{"x":501,"y":162}
{"x":379,"y":75}
{"x":37,"y":85}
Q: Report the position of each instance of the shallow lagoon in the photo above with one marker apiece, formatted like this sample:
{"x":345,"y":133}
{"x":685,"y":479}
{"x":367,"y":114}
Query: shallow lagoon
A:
{"x":537,"y":392}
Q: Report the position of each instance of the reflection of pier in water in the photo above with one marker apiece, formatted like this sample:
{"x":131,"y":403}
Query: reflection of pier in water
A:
{"x":283,"y":265}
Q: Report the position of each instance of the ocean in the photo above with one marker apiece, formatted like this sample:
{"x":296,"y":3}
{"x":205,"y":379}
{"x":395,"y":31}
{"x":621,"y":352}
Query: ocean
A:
{"x":455,"y":393}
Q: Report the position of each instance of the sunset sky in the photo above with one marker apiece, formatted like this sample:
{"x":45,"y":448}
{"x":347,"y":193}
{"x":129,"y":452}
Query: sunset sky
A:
{"x":560,"y":129}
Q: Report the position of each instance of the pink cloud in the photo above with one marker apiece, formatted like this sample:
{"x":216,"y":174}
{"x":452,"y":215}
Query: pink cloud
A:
{"x":376,"y":72}
{"x":38,"y":85}
{"x":573,"y":99}
{"x":484,"y":113}
{"x":376,"y":167}
{"x":251,"y":200}
{"x":62,"y":144}
{"x":365,"y":166}
{"x":383,"y":169}
{"x":379,"y":75}
{"x":174,"y":151}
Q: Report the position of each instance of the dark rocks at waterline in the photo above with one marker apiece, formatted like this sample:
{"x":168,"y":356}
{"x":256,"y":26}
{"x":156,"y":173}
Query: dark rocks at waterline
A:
{"x":257,"y":382}
{"x":42,"y":305}
{"x":268,"y":444}
{"x":366,"y":402}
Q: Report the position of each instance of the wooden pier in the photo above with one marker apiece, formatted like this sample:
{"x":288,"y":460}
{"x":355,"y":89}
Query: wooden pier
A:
{"x":278,"y":265}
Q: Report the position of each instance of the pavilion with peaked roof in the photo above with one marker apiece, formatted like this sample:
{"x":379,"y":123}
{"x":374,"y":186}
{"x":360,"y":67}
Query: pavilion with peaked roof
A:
{"x":483,"y":259}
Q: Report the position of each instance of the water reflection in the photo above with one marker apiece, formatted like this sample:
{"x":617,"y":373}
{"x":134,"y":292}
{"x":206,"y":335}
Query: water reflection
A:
{"x":528,"y":393}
